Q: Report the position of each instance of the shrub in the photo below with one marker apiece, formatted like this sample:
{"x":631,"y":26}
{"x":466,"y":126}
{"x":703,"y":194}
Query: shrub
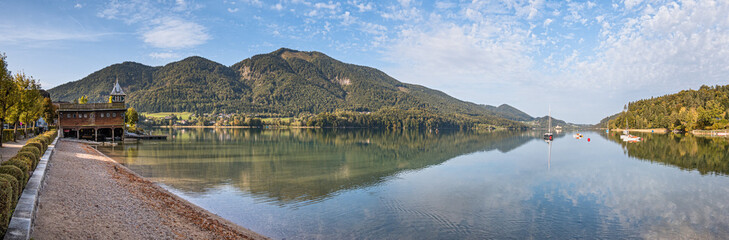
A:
{"x":32,"y":149}
{"x":16,"y":172}
{"x":6,"y":203}
{"x":23,"y":165}
{"x":45,"y":139}
{"x":30,"y":157}
{"x":37,"y":144}
{"x":16,"y":187}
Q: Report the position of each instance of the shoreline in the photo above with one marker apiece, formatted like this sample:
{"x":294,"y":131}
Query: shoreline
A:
{"x":116,"y":202}
{"x":264,"y":127}
{"x":645,"y":130}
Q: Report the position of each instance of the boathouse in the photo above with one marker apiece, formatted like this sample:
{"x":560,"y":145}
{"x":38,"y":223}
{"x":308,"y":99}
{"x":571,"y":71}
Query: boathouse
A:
{"x":94,"y":121}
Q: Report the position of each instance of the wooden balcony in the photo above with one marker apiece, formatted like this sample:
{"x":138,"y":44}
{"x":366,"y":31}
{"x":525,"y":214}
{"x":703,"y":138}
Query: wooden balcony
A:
{"x":90,"y":106}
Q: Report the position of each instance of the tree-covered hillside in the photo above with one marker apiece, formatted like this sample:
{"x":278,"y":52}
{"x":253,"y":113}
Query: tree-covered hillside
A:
{"x":282,"y":83}
{"x":706,"y":108}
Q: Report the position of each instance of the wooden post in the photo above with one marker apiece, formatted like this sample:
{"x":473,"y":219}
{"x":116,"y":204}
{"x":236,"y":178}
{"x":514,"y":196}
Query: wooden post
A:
{"x":96,"y":134}
{"x":78,"y":134}
{"x":112,"y":134}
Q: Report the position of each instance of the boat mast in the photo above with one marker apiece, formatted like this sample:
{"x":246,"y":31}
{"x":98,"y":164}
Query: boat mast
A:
{"x":627,"y":127}
{"x":550,"y":119}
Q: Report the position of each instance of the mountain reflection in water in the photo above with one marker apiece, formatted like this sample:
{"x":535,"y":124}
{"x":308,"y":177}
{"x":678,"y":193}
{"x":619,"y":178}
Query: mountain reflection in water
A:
{"x":345,"y":184}
{"x":688,"y":152}
{"x":294,"y":165}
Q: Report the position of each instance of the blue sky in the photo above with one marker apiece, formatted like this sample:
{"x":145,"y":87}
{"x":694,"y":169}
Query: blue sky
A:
{"x":584,"y":58}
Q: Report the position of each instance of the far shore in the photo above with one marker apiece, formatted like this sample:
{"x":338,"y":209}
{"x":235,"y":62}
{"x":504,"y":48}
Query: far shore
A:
{"x":645,"y":130}
{"x":232,"y":127}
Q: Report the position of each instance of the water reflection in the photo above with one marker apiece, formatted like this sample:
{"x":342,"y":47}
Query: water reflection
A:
{"x":294,"y":166}
{"x":345,"y":184}
{"x":688,"y":152}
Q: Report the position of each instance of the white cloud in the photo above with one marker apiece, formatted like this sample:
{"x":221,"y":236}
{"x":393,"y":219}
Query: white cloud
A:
{"x":348,"y":19}
{"x":78,"y":5}
{"x":468,"y":54}
{"x":330,"y":5}
{"x":405,"y":3}
{"x":676,"y":47}
{"x":175,"y":33}
{"x":232,"y":10}
{"x":23,"y":34}
{"x":631,"y":3}
{"x":181,"y":5}
{"x":162,"y":24}
{"x":277,"y":7}
{"x":374,"y":29}
{"x":444,"y":5}
{"x":547,"y":22}
{"x":363,"y":7}
{"x":130,"y":12}
{"x":163,"y":55}
{"x":256,"y":3}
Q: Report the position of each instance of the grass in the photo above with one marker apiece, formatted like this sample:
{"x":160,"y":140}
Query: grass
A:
{"x":180,"y":115}
{"x":272,"y":120}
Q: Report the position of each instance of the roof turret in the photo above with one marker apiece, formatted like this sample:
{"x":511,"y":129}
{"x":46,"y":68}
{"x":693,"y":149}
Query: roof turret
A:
{"x":117,"y":90}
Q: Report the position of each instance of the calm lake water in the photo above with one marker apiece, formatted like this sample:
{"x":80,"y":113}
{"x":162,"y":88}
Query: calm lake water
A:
{"x":343,"y":184}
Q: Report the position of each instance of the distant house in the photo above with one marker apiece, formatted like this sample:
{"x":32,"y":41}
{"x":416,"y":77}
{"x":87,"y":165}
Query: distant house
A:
{"x":94,"y":121}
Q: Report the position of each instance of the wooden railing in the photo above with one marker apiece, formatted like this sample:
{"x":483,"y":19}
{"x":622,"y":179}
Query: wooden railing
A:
{"x":90,"y":106}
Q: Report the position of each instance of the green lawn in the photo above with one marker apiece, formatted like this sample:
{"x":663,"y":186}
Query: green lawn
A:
{"x":272,"y":120}
{"x":180,"y":115}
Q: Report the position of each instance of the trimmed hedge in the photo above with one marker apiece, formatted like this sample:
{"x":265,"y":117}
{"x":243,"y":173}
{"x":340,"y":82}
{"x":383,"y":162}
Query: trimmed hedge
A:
{"x":16,"y":187}
{"x":8,"y":133}
{"x":27,"y":157}
{"x":15,"y":172}
{"x":6,"y":204}
{"x":35,"y":151}
{"x":22,"y":164}
{"x":36,"y":144}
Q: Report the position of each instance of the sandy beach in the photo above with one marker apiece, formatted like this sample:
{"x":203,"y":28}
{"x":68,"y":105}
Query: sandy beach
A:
{"x":87,"y":195}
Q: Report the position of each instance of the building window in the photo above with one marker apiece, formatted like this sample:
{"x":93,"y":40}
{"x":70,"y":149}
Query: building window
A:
{"x":86,"y":116}
{"x":74,"y":115}
{"x":107,"y":114}
{"x":68,"y":115}
{"x":91,"y":115}
{"x":114,"y":115}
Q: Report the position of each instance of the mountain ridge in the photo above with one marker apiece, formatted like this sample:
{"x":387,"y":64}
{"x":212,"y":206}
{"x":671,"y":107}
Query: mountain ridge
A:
{"x":284,"y":82}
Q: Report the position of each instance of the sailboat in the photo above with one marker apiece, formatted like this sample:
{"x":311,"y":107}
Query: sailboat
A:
{"x":626,"y":136}
{"x":548,"y":136}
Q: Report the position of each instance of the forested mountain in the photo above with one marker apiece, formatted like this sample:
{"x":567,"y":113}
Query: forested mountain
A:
{"x":706,"y":108}
{"x":509,"y":112}
{"x":281,"y":83}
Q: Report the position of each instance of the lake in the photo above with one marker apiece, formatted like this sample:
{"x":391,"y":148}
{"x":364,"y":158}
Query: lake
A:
{"x":344,"y":184}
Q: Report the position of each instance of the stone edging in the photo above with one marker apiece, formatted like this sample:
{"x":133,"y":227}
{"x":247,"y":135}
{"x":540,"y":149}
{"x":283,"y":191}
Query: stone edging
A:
{"x":22,"y":219}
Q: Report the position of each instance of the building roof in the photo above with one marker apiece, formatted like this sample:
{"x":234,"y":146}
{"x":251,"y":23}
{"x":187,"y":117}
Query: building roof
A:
{"x":117,"y":89}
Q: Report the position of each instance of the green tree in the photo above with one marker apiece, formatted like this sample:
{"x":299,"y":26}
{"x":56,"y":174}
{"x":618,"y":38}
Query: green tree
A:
{"x":49,"y":110}
{"x":131,"y":117}
{"x":8,"y":94}
{"x":29,"y":93}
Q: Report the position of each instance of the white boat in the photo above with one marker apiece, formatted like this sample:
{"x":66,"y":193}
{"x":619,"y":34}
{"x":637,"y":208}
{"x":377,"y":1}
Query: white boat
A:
{"x":627,"y":137}
{"x":548,"y":136}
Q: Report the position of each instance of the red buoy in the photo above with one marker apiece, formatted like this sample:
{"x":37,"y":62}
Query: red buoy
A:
{"x":588,"y":139}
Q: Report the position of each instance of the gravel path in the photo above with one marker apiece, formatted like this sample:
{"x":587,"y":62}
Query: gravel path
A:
{"x":87,"y":195}
{"x":11,"y":148}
